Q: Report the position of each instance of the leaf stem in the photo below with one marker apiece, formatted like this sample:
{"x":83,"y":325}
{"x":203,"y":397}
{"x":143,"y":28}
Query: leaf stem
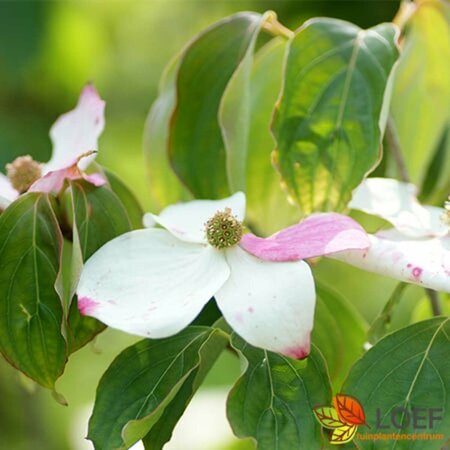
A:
{"x":394,"y":147}
{"x":272,"y":26}
{"x":434,"y":302}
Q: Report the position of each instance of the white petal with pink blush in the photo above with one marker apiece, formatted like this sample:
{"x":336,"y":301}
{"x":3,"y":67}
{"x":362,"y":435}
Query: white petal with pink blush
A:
{"x":417,"y":249}
{"x":76,"y":132}
{"x":154,"y":282}
{"x":397,"y":203}
{"x":75,"y":141}
{"x":317,"y":235}
{"x":187,"y":220}
{"x":269,"y":304}
{"x":425,"y":262}
{"x":149,"y":283}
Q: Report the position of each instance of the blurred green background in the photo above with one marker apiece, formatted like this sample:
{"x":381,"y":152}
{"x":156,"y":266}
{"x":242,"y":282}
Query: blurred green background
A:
{"x":48,"y":51}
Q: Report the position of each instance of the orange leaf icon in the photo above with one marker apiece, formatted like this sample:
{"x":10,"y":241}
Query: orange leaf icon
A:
{"x":349,"y":409}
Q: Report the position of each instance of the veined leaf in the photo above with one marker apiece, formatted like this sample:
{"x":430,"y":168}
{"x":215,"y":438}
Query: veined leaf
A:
{"x":161,"y":431}
{"x":196,"y":147}
{"x":127,"y":198}
{"x":328,"y":417}
{"x":273,"y":401}
{"x":31,"y":313}
{"x":349,"y":409}
{"x":144,"y":380}
{"x":406,"y":369}
{"x":421,"y":91}
{"x":327,"y":120}
{"x":98,"y":216}
{"x":343,"y":434}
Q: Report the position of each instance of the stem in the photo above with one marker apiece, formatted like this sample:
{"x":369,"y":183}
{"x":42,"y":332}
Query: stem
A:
{"x":272,"y":26}
{"x":394,"y":147}
{"x":434,"y":302}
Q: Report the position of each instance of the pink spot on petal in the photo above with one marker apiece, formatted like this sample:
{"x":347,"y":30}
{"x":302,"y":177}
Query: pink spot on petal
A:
{"x":238,"y":316}
{"x":86,"y":305}
{"x":417,"y":272}
{"x":408,"y":265}
{"x":250,"y":309}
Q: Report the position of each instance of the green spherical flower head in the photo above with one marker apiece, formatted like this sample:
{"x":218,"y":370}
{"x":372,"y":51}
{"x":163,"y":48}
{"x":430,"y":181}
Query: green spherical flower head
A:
{"x":23,"y":172}
{"x":223,"y":230}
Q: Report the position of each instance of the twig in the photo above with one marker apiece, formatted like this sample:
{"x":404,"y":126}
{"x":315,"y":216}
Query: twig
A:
{"x":272,"y":26}
{"x":434,"y":302}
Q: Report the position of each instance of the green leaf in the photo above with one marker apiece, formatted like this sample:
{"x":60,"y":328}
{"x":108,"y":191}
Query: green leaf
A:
{"x":235,"y":114}
{"x":161,"y":431}
{"x":127,"y":198}
{"x":406,"y":369}
{"x":166,"y":188}
{"x":31,"y":313}
{"x":268,"y":209}
{"x":147,"y":378}
{"x":273,"y":401}
{"x":196,"y":147}
{"x":98,"y":216}
{"x":327,"y":123}
{"x":339,"y":332}
{"x":379,"y":326}
{"x":421,"y":90}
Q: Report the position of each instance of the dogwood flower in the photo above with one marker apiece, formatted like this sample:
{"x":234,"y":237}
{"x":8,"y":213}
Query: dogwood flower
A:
{"x":74,"y":136}
{"x":417,"y":249}
{"x":154,"y":282}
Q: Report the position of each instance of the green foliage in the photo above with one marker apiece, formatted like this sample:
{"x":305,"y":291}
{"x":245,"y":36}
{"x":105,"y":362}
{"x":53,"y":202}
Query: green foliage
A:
{"x":196,"y":147}
{"x":339,"y":332}
{"x":421,"y":92}
{"x":31,"y":313}
{"x":329,"y":121}
{"x":273,"y":401}
{"x":267,"y":207}
{"x":406,"y":369}
{"x":127,"y":198}
{"x":155,"y":379}
{"x":166,"y":187}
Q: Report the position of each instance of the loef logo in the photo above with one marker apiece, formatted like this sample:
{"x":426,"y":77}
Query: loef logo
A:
{"x":343,"y":418}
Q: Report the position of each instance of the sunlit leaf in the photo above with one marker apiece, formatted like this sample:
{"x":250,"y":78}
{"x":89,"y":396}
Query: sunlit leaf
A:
{"x":268,"y":209}
{"x":273,"y":401}
{"x":421,"y":90}
{"x":328,"y":417}
{"x":327,"y":121}
{"x":405,"y":370}
{"x":31,"y":313}
{"x":196,"y":146}
{"x":144,"y":380}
